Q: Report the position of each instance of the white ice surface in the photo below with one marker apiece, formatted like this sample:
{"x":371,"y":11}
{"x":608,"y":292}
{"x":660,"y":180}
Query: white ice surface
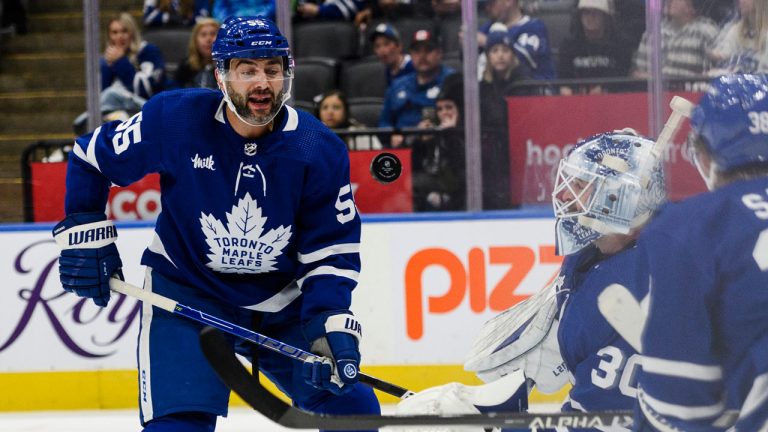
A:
{"x":240,"y":419}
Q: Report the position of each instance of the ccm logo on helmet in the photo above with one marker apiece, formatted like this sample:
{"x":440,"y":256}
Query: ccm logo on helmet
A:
{"x":262,"y":42}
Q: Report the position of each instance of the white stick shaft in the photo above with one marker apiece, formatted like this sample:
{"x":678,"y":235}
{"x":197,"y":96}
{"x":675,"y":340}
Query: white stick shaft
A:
{"x":145,"y":296}
{"x":624,"y":313}
{"x":681,"y":109}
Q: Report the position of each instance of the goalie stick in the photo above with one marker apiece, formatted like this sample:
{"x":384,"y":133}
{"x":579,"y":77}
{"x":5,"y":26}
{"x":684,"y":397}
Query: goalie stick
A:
{"x":275,"y":345}
{"x":221,"y":355}
{"x":616,"y":303}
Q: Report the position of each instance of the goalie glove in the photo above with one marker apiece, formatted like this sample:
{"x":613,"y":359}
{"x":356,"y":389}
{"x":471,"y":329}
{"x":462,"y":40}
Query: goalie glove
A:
{"x":335,"y":336}
{"x":524,"y":337}
{"x":89,"y":256}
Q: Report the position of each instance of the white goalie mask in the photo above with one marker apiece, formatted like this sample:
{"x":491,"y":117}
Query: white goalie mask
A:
{"x":608,"y":184}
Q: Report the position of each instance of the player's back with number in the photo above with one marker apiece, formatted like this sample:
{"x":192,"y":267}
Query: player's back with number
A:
{"x":705,"y":343}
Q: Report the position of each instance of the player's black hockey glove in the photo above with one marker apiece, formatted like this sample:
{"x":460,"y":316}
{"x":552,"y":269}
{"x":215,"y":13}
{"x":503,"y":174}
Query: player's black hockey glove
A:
{"x":336,"y":336}
{"x":89,"y":256}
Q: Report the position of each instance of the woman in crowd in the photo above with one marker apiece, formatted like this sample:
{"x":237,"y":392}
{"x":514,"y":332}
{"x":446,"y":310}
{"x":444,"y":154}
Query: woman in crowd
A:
{"x":333,"y":110}
{"x":132,"y":70}
{"x":196,"y":70}
{"x":742,"y":45}
{"x":595,"y":49}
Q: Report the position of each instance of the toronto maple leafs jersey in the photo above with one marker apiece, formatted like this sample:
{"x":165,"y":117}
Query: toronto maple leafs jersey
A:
{"x":706,"y":333}
{"x":603,"y":365}
{"x":531,"y":44}
{"x":253,"y":222}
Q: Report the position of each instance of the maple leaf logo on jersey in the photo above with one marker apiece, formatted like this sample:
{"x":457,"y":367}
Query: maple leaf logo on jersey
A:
{"x":240,"y":247}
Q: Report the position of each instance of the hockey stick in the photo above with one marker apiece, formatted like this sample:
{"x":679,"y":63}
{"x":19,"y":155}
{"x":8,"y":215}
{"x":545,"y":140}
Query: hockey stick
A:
{"x":279,"y":347}
{"x":221,"y":355}
{"x":681,"y":109}
{"x":624,"y":313}
{"x":617,"y":305}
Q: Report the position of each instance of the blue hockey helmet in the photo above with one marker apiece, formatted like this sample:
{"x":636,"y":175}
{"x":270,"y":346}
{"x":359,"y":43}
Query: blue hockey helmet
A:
{"x":609,"y":183}
{"x":731,"y":120}
{"x":250,"y":37}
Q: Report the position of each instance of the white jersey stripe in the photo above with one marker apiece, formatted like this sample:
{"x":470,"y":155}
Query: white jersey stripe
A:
{"x":90,"y":155}
{"x":328,"y":251}
{"x":681,"y":369}
{"x":293,"y":119}
{"x":329,"y":271}
{"x":278,"y":301}
{"x":757,"y":395}
{"x":683,"y":412}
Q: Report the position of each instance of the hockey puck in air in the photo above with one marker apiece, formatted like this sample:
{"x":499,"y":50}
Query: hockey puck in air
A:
{"x":386,"y":168}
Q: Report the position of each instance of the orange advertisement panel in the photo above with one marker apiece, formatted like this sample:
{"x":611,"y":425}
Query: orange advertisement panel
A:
{"x":542,"y":128}
{"x":374,"y":197}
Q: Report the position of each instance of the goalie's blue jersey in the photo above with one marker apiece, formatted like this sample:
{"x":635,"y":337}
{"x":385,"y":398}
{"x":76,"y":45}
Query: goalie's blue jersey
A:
{"x":603,"y":365}
{"x":252,"y":222}
{"x":705,"y":345}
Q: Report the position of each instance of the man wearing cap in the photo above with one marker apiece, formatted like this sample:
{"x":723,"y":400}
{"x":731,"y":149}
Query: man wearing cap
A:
{"x":595,"y":49}
{"x":685,"y":38}
{"x":408,"y":96}
{"x":389,"y":50}
{"x":529,"y":35}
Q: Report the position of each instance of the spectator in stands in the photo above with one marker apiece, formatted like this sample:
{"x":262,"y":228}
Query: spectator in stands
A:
{"x":686,"y":37}
{"x":389,"y":50}
{"x":409,"y":95}
{"x":595,"y":49}
{"x":333,"y":110}
{"x":629,"y":16}
{"x":196,"y":69}
{"x":346,"y":10}
{"x":132,"y":70}
{"x":528,"y":34}
{"x":503,"y":70}
{"x":742,"y":44}
{"x":166,"y":13}
{"x":438,"y":161}
{"x":223,"y":9}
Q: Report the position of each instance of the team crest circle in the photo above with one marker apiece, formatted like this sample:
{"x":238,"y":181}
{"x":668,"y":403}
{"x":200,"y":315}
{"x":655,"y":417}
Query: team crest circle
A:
{"x":350,"y":371}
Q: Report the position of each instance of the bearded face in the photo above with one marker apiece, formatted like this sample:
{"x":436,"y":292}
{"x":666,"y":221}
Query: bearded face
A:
{"x":257,"y":106}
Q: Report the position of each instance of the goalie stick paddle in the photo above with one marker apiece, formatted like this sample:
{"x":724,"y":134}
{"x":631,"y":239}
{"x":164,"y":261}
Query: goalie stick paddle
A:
{"x":221,"y":355}
{"x":275,"y":345}
{"x":623,"y":312}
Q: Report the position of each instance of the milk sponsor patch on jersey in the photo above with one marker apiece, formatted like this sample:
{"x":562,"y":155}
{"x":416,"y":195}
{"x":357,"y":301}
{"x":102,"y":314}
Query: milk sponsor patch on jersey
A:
{"x":239,"y":246}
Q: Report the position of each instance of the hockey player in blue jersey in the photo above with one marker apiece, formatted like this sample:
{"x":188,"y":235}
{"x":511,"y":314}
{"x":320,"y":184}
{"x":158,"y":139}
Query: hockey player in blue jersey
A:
{"x":705,"y":343}
{"x":258,"y":220}
{"x":606,"y":188}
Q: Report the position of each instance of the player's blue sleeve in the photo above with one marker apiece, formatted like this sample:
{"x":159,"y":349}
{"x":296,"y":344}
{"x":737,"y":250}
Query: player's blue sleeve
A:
{"x":116,"y":152}
{"x":340,"y":9}
{"x":328,"y":235}
{"x":681,"y":384}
